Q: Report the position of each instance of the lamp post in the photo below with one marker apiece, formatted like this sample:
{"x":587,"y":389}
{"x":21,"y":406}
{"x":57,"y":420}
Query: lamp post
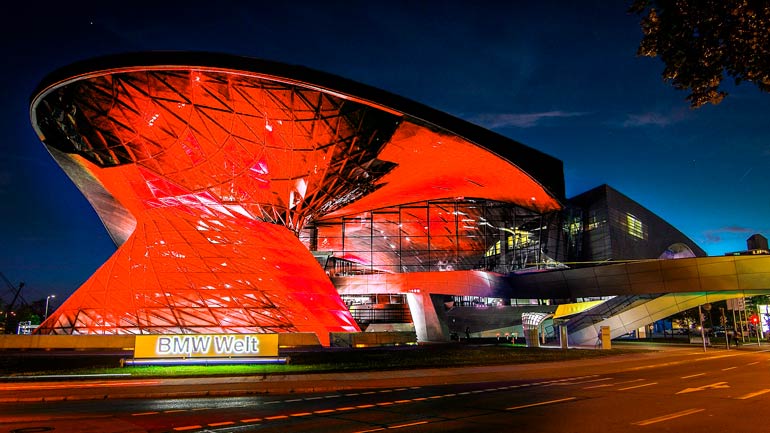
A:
{"x":47,"y":298}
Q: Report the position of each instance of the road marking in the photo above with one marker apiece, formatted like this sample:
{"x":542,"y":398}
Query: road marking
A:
{"x":717,"y":385}
{"x":175,"y":410}
{"x":324,"y":411}
{"x":248,"y":420}
{"x":542,"y":403}
{"x":400,"y":389}
{"x":364,"y":406}
{"x":637,"y":386}
{"x":144,"y":413}
{"x":693,"y":375}
{"x":219,"y":424}
{"x":580,"y":383}
{"x":402,"y":401}
{"x":301,"y":414}
{"x":668,"y":417}
{"x":407,"y":425}
{"x":753,"y":363}
{"x":188,"y":427}
{"x":368,"y":393}
{"x":385,"y":403}
{"x":274,"y":417}
{"x":719,"y":357}
{"x":369,"y":431}
{"x":753,"y":394}
{"x":600,"y":386}
{"x":628,"y":381}
{"x":292,"y":400}
{"x":729,"y":368}
{"x":346,"y":408}
{"x":313,"y":398}
{"x":352,"y":394}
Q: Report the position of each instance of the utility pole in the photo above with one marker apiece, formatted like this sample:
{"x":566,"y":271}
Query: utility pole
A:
{"x":702,"y":332}
{"x":723,"y":321}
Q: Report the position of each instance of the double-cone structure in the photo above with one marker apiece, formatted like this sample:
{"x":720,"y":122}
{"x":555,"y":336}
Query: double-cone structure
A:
{"x":204,"y":169}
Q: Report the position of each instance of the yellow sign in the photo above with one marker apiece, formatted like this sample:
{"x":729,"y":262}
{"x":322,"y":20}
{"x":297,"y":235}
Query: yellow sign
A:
{"x":205,"y":345}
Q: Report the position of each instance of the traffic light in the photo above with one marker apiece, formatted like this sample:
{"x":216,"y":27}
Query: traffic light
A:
{"x":754,"y":319}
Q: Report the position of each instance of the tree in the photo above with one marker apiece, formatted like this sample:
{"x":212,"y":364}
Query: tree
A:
{"x":703,"y":41}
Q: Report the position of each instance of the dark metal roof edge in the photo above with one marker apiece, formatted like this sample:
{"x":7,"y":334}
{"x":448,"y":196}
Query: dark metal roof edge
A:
{"x":545,"y":169}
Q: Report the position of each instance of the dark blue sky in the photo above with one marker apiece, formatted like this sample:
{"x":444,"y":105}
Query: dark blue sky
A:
{"x":562,"y":77}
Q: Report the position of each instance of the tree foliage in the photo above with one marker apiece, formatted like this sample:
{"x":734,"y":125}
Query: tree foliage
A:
{"x":703,"y":41}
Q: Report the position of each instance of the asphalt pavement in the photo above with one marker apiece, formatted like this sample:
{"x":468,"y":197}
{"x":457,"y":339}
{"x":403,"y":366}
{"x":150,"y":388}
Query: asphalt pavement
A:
{"x":70,"y":387}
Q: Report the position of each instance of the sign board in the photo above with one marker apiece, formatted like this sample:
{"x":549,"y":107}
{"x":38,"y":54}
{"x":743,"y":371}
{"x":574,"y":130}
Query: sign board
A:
{"x":606,"y":337}
{"x":205,"y":345}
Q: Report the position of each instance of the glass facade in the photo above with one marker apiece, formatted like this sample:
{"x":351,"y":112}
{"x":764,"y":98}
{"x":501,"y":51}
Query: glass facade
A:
{"x":434,"y":236}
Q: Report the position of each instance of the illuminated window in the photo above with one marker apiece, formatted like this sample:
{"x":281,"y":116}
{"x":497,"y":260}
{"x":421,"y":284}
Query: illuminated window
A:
{"x":634,"y":226}
{"x":595,"y":219}
{"x":574,"y":227}
{"x":494,"y":250}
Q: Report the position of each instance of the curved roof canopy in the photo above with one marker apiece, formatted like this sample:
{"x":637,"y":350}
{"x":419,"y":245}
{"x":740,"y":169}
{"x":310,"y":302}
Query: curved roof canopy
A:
{"x":324,"y":144}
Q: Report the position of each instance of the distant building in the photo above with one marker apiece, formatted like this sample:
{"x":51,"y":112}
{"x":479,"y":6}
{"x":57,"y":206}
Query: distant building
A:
{"x":605,"y":225}
{"x":756,"y":244}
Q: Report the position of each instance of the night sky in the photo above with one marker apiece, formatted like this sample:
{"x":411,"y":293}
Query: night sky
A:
{"x":561,"y":77}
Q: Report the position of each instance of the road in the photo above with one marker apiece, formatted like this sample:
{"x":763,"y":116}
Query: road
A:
{"x":674,"y":390}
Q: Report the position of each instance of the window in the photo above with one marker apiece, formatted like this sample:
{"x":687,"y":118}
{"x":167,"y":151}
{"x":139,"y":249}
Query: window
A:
{"x":634,"y":226}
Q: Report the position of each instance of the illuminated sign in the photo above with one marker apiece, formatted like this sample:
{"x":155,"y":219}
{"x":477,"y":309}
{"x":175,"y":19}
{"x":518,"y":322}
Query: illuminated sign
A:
{"x":205,"y":345}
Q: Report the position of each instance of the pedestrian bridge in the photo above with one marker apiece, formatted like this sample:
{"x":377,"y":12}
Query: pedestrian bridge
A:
{"x":644,"y":291}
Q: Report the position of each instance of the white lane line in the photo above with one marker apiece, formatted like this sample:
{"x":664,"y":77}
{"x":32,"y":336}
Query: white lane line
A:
{"x":668,"y":417}
{"x":729,"y":368}
{"x":584,"y":381}
{"x":637,"y":386}
{"x":407,"y":425}
{"x":542,"y":403}
{"x":753,"y":394}
{"x":693,"y":375}
{"x":629,"y":381}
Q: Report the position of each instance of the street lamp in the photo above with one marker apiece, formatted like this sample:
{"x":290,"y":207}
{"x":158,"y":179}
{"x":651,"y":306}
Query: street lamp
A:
{"x":47,"y":298}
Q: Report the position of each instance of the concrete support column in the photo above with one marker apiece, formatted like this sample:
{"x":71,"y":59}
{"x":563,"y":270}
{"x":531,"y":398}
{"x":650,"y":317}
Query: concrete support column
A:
{"x":429,"y":317}
{"x":532,"y":337}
